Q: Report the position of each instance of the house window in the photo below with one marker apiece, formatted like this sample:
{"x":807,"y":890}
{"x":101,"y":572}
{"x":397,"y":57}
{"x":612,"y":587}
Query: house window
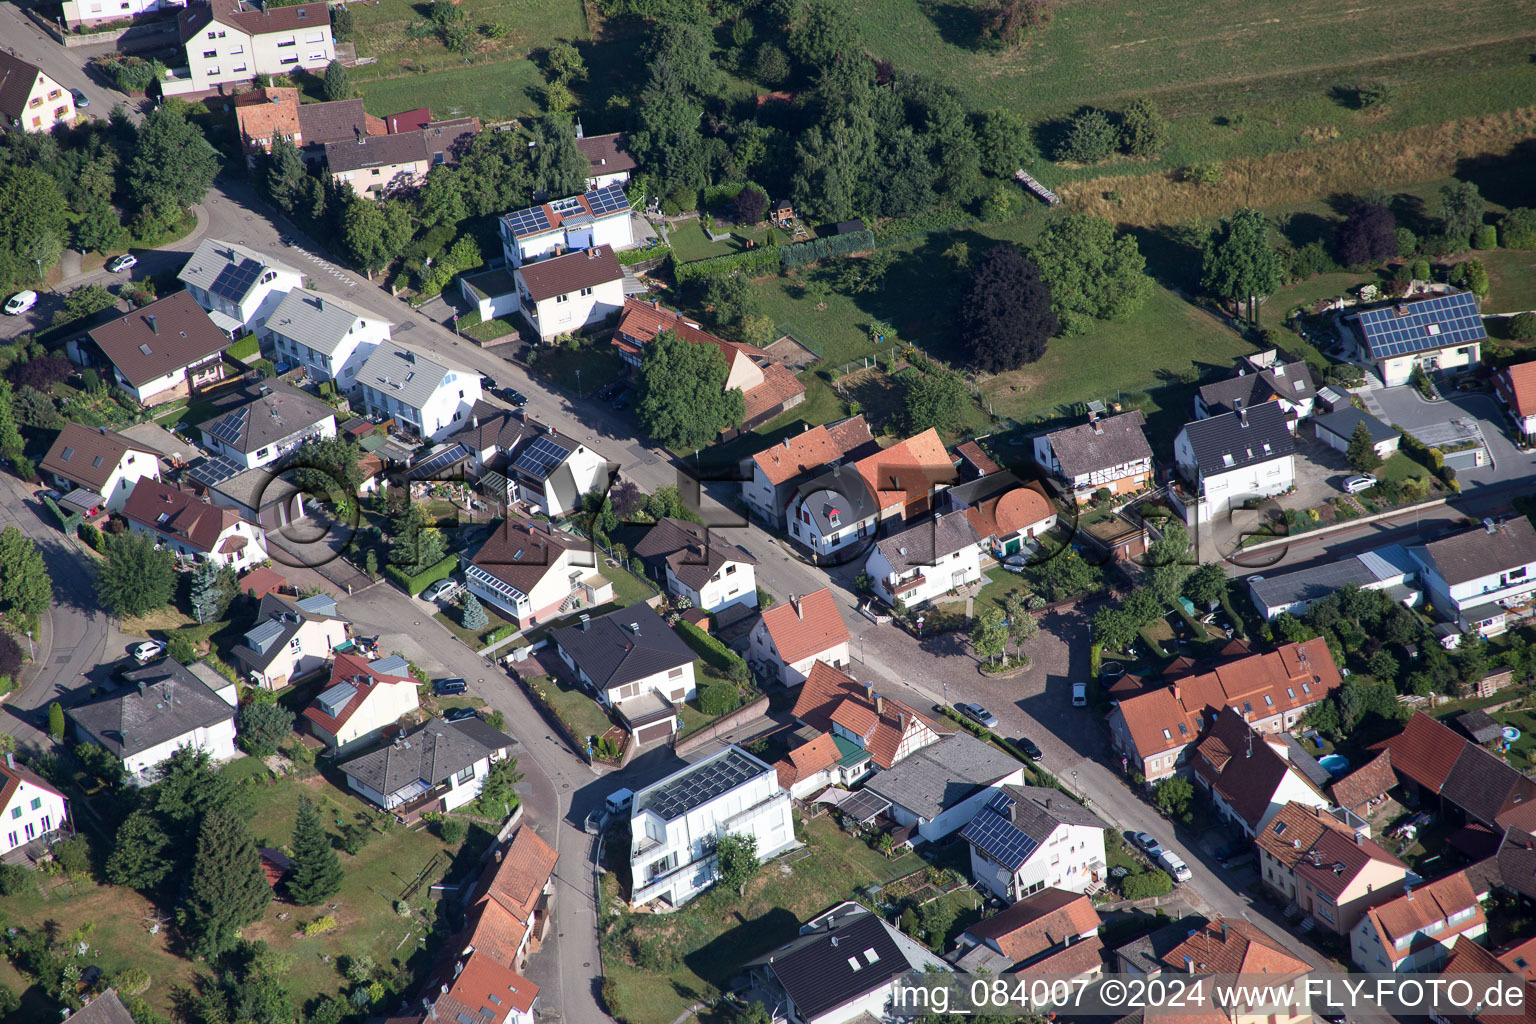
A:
{"x":465,"y":775}
{"x":37,"y":101}
{"x":675,"y":673}
{"x":15,"y":812}
{"x":730,"y":569}
{"x":55,"y":94}
{"x":586,"y":291}
{"x":287,"y":43}
{"x":37,"y":803}
{"x":562,"y":298}
{"x":209,"y":54}
{"x":60,"y":111}
{"x":262,"y":453}
{"x":295,"y":60}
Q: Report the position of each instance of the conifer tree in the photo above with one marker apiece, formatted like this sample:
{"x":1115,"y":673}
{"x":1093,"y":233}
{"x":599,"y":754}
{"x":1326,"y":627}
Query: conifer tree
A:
{"x":474,"y":614}
{"x":228,"y":889}
{"x":317,"y":871}
{"x":1362,"y":450}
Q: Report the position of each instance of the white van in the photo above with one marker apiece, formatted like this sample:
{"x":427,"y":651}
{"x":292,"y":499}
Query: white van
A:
{"x":1175,"y":866}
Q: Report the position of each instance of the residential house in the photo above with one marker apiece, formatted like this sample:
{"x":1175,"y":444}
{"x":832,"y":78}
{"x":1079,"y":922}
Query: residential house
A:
{"x":161,"y":351}
{"x":1416,"y":931}
{"x":1227,"y":459}
{"x":1467,"y":957}
{"x":103,"y":1008}
{"x":490,"y":437}
{"x":1387,"y":568}
{"x":1480,"y":579}
{"x":1109,"y":453}
{"x":475,"y":988}
{"x":1225,"y":946}
{"x":1439,"y":333}
{"x":889,"y":730}
{"x":1272,"y":690}
{"x":599,"y":218}
{"x":634,"y":663}
{"x":30,"y":101}
{"x":674,"y":823}
{"x":1007,"y":516}
{"x":264,"y":422}
{"x":1054,"y":931}
{"x":160,"y":708}
{"x":608,"y":159}
{"x":925,"y":559}
{"x":262,"y":114}
{"x":360,"y":703}
{"x":770,"y":478}
{"x":448,"y":141}
{"x":331,"y":338}
{"x":426,"y":397}
{"x":237,"y":287}
{"x":1337,"y":430}
{"x":563,"y":294}
{"x":532,"y":573}
{"x":553,"y":472}
{"x":99,"y":461}
{"x":692,"y":563}
{"x":1332,"y":872}
{"x":437,"y":766}
{"x":1248,"y":774}
{"x":847,"y":504}
{"x":844,"y":966}
{"x":1262,"y":377}
{"x":834,"y":515}
{"x":30,"y":807}
{"x":259,"y":496}
{"x":1424,"y":753}
{"x":940,"y":787}
{"x":767,"y":387}
{"x":293,"y":637}
{"x":827,"y":760}
{"x":375,"y":166}
{"x":509,"y":905}
{"x":84,"y":14}
{"x":1516,"y":385}
{"x":1028,"y":838}
{"x":232,"y":41}
{"x":792,"y":637}
{"x":974,"y":462}
{"x":193,"y":529}
{"x":1367,"y":786}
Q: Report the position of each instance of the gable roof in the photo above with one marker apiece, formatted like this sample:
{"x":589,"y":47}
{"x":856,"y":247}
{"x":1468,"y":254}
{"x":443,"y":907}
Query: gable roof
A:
{"x":925,"y":544}
{"x":90,"y":455}
{"x":318,"y":320}
{"x":350,"y":675}
{"x":405,"y":374}
{"x":1239,"y":763}
{"x":17,"y":78}
{"x":278,"y":620}
{"x":812,"y":449}
{"x":1369,"y":568}
{"x":364,"y":151}
{"x":254,"y":19}
{"x":834,"y":965}
{"x":1233,"y":440}
{"x":693,"y":553}
{"x":1370,"y":780}
{"x":561,"y":275}
{"x":1037,"y":923}
{"x":13,"y":774}
{"x":516,"y":879}
{"x":265,"y":113}
{"x":973,"y":455}
{"x":494,"y":429}
{"x":1488,"y":789}
{"x":1346,"y":420}
{"x":1291,"y":382}
{"x":254,"y":416}
{"x":158,"y":703}
{"x":1232,"y":946}
{"x":226,"y":269}
{"x":181,"y":514}
{"x":1337,"y":858}
{"x":1102,"y":444}
{"x":606,"y":154}
{"x":1478,"y":552}
{"x":160,"y":338}
{"x":1423,"y":325}
{"x":1019,"y":820}
{"x":829,"y":696}
{"x":598,"y":203}
{"x":336,"y":121}
{"x":477,"y":990}
{"x":1425,"y":751}
{"x":807,"y":625}
{"x":1423,"y":906}
{"x":430,"y":753}
{"x":1519,"y":386}
{"x":942,"y":775}
{"x":104,"y":1008}
{"x":807,"y":759}
{"x":447,"y":141}
{"x":1004,"y":515}
{"x":623,"y":646}
{"x":906,"y":471}
{"x":1293,"y":830}
{"x":521,"y":552}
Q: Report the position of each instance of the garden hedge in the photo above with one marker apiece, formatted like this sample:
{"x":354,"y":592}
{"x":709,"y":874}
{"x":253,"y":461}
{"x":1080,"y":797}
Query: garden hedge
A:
{"x":835,"y":247}
{"x":630,"y":257}
{"x":752,"y":262}
{"x":715,"y":654}
{"x":414,"y":585}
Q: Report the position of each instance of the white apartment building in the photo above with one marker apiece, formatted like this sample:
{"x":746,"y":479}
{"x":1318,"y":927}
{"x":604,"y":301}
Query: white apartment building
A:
{"x":421,"y":394}
{"x":675,"y":823}
{"x":566,"y":293}
{"x":600,"y":217}
{"x":232,"y":41}
{"x":78,"y":13}
{"x":1481,"y":578}
{"x":925,"y":560}
{"x":237,"y":287}
{"x":1029,"y":838}
{"x":1226,"y":460}
{"x":329,"y":337}
{"x":30,"y":808}
{"x":29,"y":100}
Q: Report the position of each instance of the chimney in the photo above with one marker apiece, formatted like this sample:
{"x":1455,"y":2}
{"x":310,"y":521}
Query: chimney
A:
{"x":634,"y":627}
{"x":879,"y":704}
{"x":1408,"y":892}
{"x":1175,"y":689}
{"x":1189,"y":964}
{"x":498,"y":855}
{"x":458,"y":968}
{"x":794,"y":601}
{"x":1359,"y":838}
{"x":320,"y":302}
{"x":869,"y":692}
{"x":1242,"y":412}
{"x":901,"y":720}
{"x":154,"y":329}
{"x":10,"y":760}
{"x":1223,"y":929}
{"x":1098,"y":428}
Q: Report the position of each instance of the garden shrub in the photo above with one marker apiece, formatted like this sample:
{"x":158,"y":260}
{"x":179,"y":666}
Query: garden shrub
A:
{"x":1146,"y":884}
{"x":835,"y":247}
{"x":753,"y":262}
{"x":452,"y":831}
{"x":414,"y":585}
{"x":719,"y":699}
{"x":715,"y":654}
{"x":324,"y":923}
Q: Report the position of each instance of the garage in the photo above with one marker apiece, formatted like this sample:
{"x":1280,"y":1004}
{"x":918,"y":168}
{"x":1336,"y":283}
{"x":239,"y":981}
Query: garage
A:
{"x":652,"y":733}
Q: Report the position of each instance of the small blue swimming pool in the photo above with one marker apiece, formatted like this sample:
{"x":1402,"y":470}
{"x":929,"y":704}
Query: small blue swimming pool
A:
{"x":1335,"y":764}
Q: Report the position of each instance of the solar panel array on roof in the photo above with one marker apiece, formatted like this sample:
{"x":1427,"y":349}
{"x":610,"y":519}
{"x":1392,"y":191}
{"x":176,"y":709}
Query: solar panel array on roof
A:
{"x":433,"y":468}
{"x":496,"y":583}
{"x":227,"y":428}
{"x":541,"y":457}
{"x":236,"y":279}
{"x":529,"y":221}
{"x":609,"y":199}
{"x":697,"y":787}
{"x":1429,"y":324}
{"x":994,"y":831}
{"x":213,"y":471}
{"x":863,"y":806}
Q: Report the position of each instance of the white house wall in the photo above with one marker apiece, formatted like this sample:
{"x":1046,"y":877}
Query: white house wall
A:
{"x":562,"y":314}
{"x":20,"y":829}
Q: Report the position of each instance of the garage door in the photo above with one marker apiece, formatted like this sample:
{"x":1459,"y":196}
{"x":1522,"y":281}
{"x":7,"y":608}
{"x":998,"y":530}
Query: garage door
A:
{"x":652,"y":733}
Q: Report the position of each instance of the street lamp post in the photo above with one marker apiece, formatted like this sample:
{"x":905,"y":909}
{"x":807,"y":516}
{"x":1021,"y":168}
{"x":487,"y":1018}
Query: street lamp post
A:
{"x":1075,"y":791}
{"x":31,"y":651}
{"x":578,"y":381}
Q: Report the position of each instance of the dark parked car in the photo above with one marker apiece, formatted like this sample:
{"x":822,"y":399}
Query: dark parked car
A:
{"x":622,"y":402}
{"x":459,"y":714}
{"x":1031,"y":751}
{"x":449,"y":687}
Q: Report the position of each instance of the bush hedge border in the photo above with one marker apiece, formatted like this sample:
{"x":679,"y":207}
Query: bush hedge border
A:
{"x":414,"y":585}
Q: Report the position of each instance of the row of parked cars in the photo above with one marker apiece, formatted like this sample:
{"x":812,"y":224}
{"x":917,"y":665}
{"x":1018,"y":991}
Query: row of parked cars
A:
{"x":1165,"y":859}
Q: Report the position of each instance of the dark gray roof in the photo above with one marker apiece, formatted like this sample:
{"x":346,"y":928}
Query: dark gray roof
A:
{"x":817,"y":971}
{"x":1475,"y":553}
{"x":623,"y":646}
{"x":278,"y":619}
{"x":1290,"y":381}
{"x":376,"y":151}
{"x":842,"y":489}
{"x":1318,"y":581}
{"x":1147,"y":952}
{"x":983,"y":487}
{"x":105,"y":1008}
{"x":935,"y":778}
{"x":925,"y":543}
{"x":699,"y":783}
{"x":159,"y":703}
{"x":260,"y":414}
{"x":1020,"y":819}
{"x":1484,"y":786}
{"x":228,"y":270}
{"x":1302,"y":760}
{"x":1344,"y":422}
{"x":1224,"y":443}
{"x":431,"y":753}
{"x":693,"y":553}
{"x":1117,"y":440}
{"x":1479,"y":725}
{"x":248,"y":488}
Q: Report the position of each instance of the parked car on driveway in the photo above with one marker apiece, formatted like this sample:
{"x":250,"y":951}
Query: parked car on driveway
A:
{"x":1356,"y":484}
{"x":149,"y":650}
{"x":459,"y":714}
{"x":449,"y":687}
{"x":442,"y":590}
{"x":1027,"y":745}
{"x":118,"y":264}
{"x":1144,"y":841}
{"x":977,"y":713}
{"x":1079,"y":695}
{"x":81,"y":99}
{"x":20,"y":302}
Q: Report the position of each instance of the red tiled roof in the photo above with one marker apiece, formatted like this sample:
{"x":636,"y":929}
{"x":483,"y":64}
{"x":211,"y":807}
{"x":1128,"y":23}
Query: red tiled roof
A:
{"x":907,"y":471}
{"x":801,"y":627}
{"x":176,"y":513}
{"x":1077,"y":959}
{"x":350,"y":668}
{"x":1038,"y":922}
{"x":261,"y":581}
{"x":1340,"y":858}
{"x":1425,"y":751}
{"x":1009,"y":512}
{"x":1243,"y":767}
{"x":829,"y":696}
{"x":1512,"y":958}
{"x":972,"y":452}
{"x":1467,"y":957}
{"x":484,"y":991}
{"x":409,"y":120}
{"x":1233,"y":946}
{"x":517,"y":882}
{"x":1293,"y":831}
{"x":807,"y":759}
{"x":523,"y":551}
{"x":606,"y":154}
{"x":1518,"y":384}
{"x":1365,"y":783}
{"x":812,"y":449}
{"x":263,"y":114}
{"x":1413,"y":911}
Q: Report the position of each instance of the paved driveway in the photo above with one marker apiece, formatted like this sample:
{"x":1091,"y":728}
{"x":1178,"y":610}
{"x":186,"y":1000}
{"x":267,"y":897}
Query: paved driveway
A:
{"x":1406,"y":408}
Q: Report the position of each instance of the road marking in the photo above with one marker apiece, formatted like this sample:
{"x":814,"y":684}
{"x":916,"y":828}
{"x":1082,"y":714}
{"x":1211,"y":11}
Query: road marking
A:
{"x":329,"y":268}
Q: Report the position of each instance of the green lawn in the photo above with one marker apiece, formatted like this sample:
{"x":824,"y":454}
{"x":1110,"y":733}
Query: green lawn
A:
{"x":488,"y":330}
{"x":385,"y":31}
{"x":452,"y":620}
{"x":628,"y":589}
{"x":689,"y":242}
{"x":496,"y":91}
{"x":694,"y":952}
{"x":571,"y":703}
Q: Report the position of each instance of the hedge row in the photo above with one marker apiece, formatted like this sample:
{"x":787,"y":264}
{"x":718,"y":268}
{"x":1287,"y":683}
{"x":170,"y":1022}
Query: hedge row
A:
{"x":414,"y":585}
{"x":942,"y":218}
{"x":752,"y":262}
{"x":715,"y":654}
{"x":713,"y":196}
{"x":630,"y":257}
{"x":835,"y":247}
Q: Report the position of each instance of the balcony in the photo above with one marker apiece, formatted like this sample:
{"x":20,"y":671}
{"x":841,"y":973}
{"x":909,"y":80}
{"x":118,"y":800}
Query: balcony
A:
{"x":906,"y":586}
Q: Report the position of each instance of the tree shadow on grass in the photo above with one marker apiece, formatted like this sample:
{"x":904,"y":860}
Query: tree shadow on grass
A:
{"x":1504,"y":179}
{"x":718,"y":961}
{"x":1304,"y":228}
{"x":1413,"y":213}
{"x":958,"y":24}
{"x":1173,"y":255}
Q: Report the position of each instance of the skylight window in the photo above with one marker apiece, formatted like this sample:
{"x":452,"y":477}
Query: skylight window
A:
{"x":870,"y":955}
{"x":66,"y":453}
{"x":1269,"y":701}
{"x":1306,"y":688}
{"x":1290,"y":691}
{"x":1279,"y":828}
{"x":1167,"y":735}
{"x":853,"y":962}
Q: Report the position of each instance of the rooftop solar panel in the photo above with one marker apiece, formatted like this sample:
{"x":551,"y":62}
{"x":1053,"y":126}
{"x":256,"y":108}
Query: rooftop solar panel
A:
{"x":994,"y":831}
{"x":1439,"y":322}
{"x":433,"y":468}
{"x":227,"y":428}
{"x":541,"y":457}
{"x":235,"y":279}
{"x":863,"y":806}
{"x":608,"y":199}
{"x":213,"y":471}
{"x":694,"y":788}
{"x":529,"y":221}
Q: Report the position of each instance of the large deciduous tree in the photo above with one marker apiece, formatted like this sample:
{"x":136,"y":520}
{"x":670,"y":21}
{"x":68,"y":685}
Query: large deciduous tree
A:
{"x":1238,"y":264}
{"x":1005,"y":313}
{"x":227,"y":890}
{"x":1004,"y":140}
{"x":1368,"y":235}
{"x":172,"y":165}
{"x":682,"y":401}
{"x":140,"y":852}
{"x":666,"y":139}
{"x":136,"y":577}
{"x":823,"y":31}
{"x":1461,"y":211}
{"x":32,"y":212}
{"x":1091,"y":273}
{"x":558,"y":168}
{"x":25,"y":588}
{"x":934,"y":399}
{"x":362,"y":233}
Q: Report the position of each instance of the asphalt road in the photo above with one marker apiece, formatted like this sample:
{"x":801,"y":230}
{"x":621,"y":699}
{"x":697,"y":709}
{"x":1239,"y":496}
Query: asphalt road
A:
{"x":21,"y":36}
